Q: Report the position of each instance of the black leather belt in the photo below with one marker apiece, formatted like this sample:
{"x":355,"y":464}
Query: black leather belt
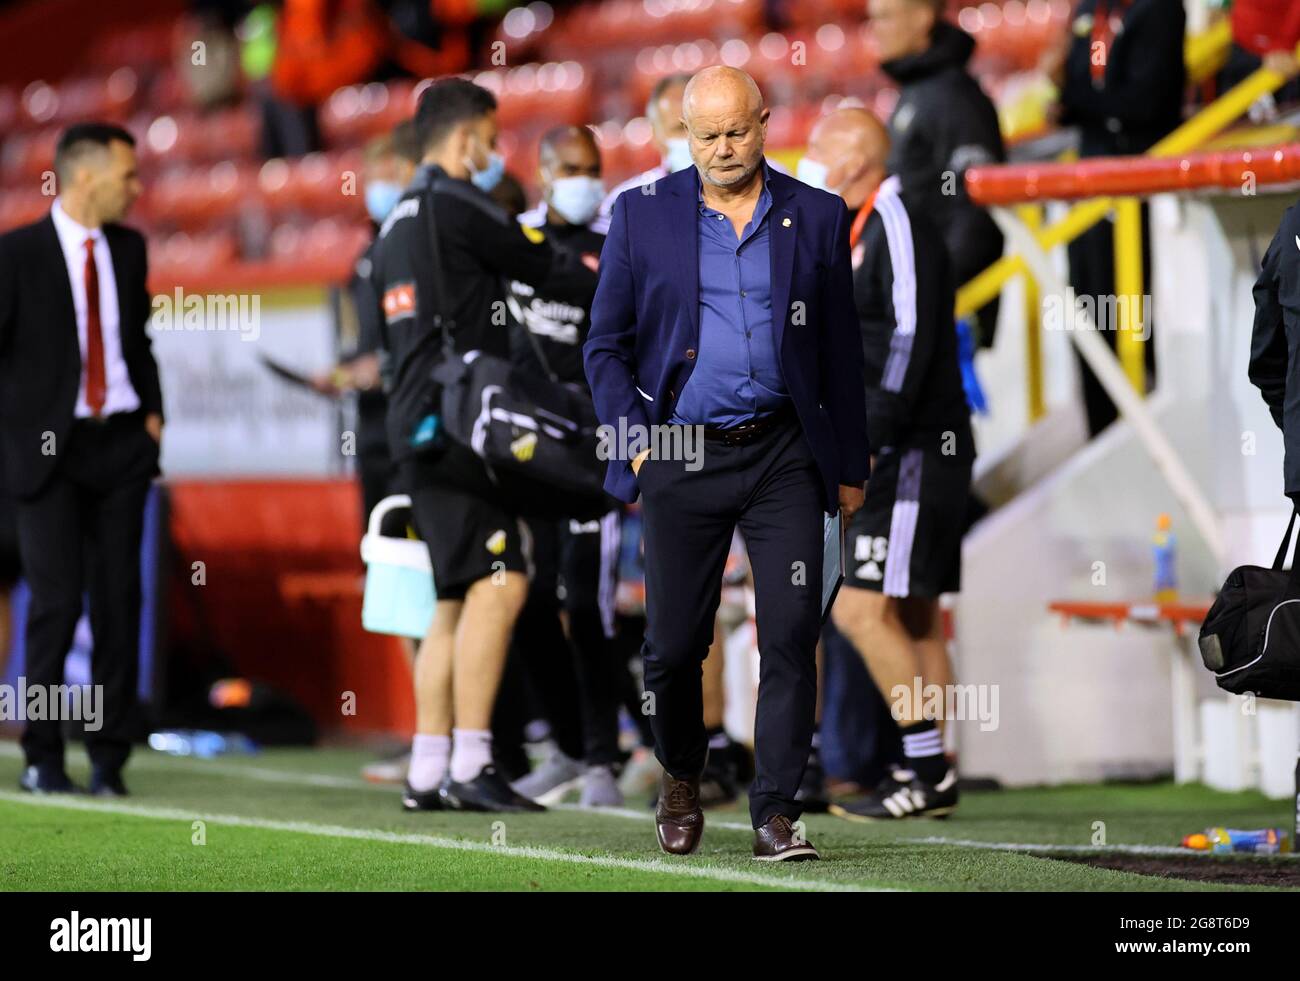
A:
{"x":748,"y":432}
{"x":113,"y":419}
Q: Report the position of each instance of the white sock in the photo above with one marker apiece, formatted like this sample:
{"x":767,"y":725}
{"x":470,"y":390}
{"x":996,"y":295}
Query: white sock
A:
{"x":471,"y":750}
{"x":428,"y":761}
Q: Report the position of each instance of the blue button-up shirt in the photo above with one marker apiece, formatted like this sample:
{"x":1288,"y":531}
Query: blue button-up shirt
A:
{"x":737,"y":375}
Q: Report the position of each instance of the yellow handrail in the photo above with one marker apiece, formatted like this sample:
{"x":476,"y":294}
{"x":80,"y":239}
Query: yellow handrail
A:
{"x":1130,"y":312}
{"x":1193,"y":133}
{"x":1207,"y":52}
{"x":1032,"y":217}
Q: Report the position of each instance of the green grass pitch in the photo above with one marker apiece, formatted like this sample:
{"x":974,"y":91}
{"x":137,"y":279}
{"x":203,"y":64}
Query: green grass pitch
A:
{"x":305,"y":820}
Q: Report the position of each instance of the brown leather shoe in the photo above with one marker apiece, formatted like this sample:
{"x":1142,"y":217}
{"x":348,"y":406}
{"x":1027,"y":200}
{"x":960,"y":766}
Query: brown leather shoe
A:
{"x":776,"y":841}
{"x":679,"y":822}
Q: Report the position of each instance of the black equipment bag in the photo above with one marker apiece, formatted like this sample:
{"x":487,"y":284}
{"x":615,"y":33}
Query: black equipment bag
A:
{"x":1251,"y":636}
{"x":536,"y":436}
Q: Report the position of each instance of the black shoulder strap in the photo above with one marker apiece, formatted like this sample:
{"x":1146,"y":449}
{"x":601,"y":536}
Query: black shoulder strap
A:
{"x":537,"y":350}
{"x":441,"y":316}
{"x":1293,"y":580}
{"x":1286,"y":540}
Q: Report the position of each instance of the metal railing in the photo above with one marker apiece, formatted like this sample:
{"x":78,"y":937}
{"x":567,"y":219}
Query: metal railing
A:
{"x":1126,"y":209}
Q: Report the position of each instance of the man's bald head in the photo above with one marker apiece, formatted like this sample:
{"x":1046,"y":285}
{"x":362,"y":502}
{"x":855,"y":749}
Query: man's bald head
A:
{"x":727,"y":123}
{"x":853,"y":145}
{"x":720,"y":86}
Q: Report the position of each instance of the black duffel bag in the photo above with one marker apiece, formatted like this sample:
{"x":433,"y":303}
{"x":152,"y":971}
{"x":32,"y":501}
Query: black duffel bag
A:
{"x":1251,"y":636}
{"x":537,"y":436}
{"x":521,"y":423}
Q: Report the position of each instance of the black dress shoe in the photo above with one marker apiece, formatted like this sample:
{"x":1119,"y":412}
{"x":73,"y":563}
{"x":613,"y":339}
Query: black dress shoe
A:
{"x":486,"y":792}
{"x":106,"y":783}
{"x":420,"y":800}
{"x":46,"y":780}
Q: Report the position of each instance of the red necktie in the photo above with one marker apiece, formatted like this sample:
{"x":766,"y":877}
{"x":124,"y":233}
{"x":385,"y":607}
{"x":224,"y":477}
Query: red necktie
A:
{"x":96,"y":386}
{"x":1103,"y":34}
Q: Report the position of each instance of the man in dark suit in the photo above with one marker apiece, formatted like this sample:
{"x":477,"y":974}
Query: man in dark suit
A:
{"x":80,"y":427}
{"x":725,"y":309}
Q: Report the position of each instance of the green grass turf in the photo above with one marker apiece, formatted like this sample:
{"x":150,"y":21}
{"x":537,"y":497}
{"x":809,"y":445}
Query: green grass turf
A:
{"x":311,"y":798}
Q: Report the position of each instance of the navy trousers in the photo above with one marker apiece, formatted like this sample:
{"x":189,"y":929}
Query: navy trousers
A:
{"x":771,"y":490}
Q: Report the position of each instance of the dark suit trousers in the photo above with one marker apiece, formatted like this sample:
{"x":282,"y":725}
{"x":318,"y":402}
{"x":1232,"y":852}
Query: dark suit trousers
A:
{"x":81,"y":533}
{"x":771,"y":490}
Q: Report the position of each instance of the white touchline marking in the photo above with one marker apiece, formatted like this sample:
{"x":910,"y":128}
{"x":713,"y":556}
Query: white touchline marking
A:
{"x":1007,"y":846}
{"x":659,"y":866}
{"x":193,"y":765}
{"x":308,"y":779}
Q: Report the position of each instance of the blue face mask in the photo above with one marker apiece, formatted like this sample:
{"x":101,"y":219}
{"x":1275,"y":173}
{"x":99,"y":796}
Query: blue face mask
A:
{"x":576,"y":199}
{"x":490,"y":176}
{"x":381,"y":198}
{"x":679,"y":155}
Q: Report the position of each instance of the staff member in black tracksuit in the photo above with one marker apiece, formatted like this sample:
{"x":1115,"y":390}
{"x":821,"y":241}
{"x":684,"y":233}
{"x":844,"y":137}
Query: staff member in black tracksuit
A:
{"x":904,"y":546}
{"x":1121,"y":75}
{"x":1275,"y":343}
{"x":942,"y":124}
{"x":575,"y":561}
{"x":473,"y":535}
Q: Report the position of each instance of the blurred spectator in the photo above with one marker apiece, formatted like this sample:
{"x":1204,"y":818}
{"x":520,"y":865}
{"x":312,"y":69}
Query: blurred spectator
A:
{"x":667,"y":132}
{"x":321,"y":45}
{"x":1264,"y":32}
{"x":207,"y":60}
{"x":226,"y":13}
{"x":943,"y":123}
{"x":1121,"y":75}
{"x":430,"y":37}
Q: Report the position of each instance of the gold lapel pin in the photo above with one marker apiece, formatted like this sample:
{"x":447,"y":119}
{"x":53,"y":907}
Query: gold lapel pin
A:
{"x":785,"y":222}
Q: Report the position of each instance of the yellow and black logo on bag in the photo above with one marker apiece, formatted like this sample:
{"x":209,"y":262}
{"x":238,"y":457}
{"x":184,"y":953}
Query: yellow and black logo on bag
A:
{"x":524,"y":446}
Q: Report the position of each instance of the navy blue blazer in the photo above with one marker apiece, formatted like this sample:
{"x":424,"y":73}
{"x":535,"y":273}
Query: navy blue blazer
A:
{"x":645,"y":320}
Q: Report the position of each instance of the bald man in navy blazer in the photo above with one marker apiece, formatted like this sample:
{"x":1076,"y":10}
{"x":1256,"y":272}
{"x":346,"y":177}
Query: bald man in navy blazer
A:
{"x":724,"y":332}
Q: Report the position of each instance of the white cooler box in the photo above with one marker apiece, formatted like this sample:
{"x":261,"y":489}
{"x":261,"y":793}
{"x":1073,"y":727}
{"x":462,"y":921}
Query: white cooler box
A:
{"x":399,"y":579}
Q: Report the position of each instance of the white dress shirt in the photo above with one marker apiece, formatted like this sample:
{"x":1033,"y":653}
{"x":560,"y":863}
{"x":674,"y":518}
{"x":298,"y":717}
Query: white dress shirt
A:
{"x":120,"y":395}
